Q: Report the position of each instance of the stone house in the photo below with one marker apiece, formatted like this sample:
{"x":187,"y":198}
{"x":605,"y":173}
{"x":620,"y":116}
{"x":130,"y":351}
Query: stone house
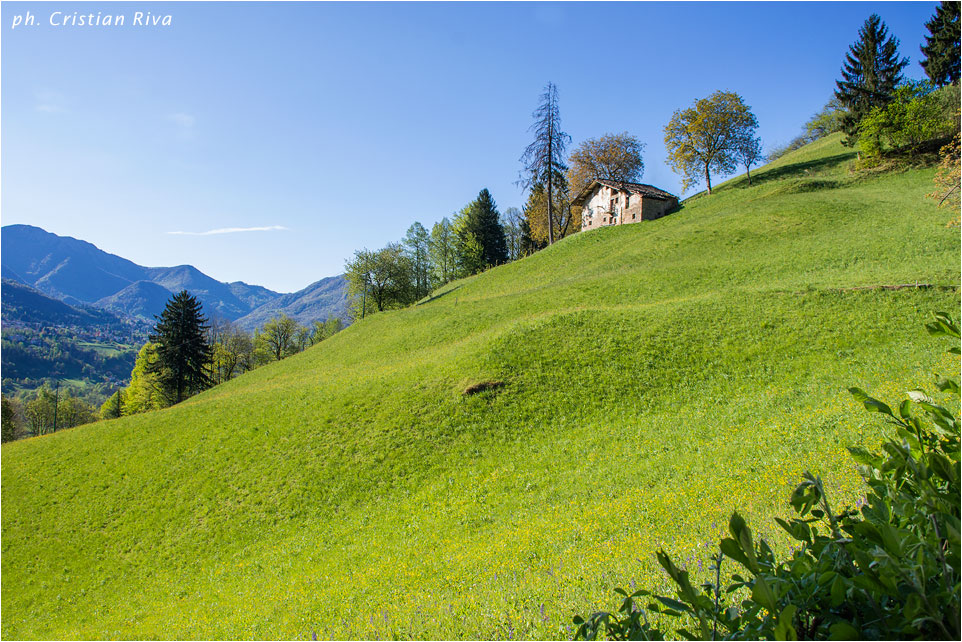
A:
{"x":605,"y":202}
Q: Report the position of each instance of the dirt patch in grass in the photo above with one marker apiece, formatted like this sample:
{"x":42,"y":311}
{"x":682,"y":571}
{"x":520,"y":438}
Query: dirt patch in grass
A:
{"x":482,"y":386}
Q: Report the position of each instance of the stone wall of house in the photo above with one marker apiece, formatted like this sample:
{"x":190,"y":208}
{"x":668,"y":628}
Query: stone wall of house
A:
{"x":653,"y":208}
{"x":597,"y":211}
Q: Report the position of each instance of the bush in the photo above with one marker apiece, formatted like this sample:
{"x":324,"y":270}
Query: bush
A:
{"x":915,"y":115}
{"x":885,"y":571}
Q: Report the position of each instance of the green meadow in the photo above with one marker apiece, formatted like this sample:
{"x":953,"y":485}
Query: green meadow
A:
{"x":655,"y":377}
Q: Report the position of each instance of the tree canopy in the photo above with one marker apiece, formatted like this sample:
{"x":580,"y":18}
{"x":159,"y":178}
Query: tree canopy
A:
{"x":615,"y":157}
{"x":279,"y":336}
{"x":870,"y":74}
{"x":748,"y":152}
{"x":941,"y":49}
{"x":443,"y":252}
{"x":704,"y":137}
{"x":183,"y":353}
{"x":379,"y":279}
{"x":564,"y":220}
{"x":145,"y":391}
{"x":417,"y":242}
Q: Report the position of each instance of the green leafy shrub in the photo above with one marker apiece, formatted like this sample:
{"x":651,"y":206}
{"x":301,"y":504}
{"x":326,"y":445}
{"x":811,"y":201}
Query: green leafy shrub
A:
{"x":915,"y":115}
{"x":888,"y":569}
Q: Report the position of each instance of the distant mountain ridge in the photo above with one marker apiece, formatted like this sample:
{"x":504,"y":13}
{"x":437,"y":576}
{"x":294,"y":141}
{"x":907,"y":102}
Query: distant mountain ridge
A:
{"x":77,"y":272}
{"x":24,"y":304}
{"x":326,"y":294}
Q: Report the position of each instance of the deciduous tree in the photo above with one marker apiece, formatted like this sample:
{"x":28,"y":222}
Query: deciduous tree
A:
{"x":948,"y":177}
{"x":114,"y":406}
{"x":512,"y":223}
{"x":871,"y":72}
{"x":379,"y":280}
{"x":11,"y":420}
{"x":748,"y":152}
{"x":232,"y":349}
{"x":564,"y":220}
{"x":41,"y":410}
{"x":702,"y":138}
{"x":827,"y":121}
{"x":146,"y":390}
{"x":73,"y":411}
{"x":280,"y":336}
{"x":468,"y":251}
{"x":417,"y":244}
{"x":614,"y":157}
{"x":912,"y":117}
{"x":325,"y":329}
{"x":443,"y":252}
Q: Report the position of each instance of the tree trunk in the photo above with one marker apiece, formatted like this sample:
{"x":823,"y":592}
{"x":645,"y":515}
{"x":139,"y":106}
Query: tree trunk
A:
{"x":550,"y":217}
{"x":708,"y":179}
{"x":749,"y":170}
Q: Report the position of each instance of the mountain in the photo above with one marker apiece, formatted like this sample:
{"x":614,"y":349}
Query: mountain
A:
{"x":634,"y":384}
{"x":77,"y":272}
{"x":141,"y":299}
{"x":23,"y":304}
{"x":218,"y":298}
{"x":253,"y":296}
{"x":316,"y":302}
{"x":45,"y":339}
{"x":62,"y":266}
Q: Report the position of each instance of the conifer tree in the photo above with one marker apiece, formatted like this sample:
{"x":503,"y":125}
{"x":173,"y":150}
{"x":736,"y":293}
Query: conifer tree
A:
{"x":182,"y":353}
{"x":544,"y":158}
{"x":489,"y":230}
{"x":941,"y":49}
{"x":479,"y":235}
{"x":870,"y":74}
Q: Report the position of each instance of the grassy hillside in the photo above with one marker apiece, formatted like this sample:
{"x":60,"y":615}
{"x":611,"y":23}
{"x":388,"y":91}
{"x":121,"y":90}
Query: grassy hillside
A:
{"x":656,"y":377}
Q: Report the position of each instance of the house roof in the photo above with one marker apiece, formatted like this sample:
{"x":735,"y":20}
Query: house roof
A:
{"x":649,"y":191}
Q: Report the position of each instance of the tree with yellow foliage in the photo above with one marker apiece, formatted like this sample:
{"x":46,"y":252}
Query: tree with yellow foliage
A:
{"x":704,"y":138}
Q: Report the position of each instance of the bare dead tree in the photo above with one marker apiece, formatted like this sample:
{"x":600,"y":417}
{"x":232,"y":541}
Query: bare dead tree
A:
{"x":545,"y":155}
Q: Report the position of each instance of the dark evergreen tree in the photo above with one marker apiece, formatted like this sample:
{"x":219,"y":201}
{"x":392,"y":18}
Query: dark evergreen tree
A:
{"x":941,"y":49}
{"x":480,"y":236}
{"x":871,"y":72}
{"x":183,"y":354}
{"x":489,"y":230}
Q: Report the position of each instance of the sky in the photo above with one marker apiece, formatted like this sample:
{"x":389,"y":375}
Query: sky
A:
{"x":266,"y":142}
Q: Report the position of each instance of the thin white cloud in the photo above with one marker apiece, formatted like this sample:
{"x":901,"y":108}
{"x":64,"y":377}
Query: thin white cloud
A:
{"x":234,"y":230}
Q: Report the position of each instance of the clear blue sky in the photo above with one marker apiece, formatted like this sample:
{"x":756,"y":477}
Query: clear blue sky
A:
{"x":345,"y":123}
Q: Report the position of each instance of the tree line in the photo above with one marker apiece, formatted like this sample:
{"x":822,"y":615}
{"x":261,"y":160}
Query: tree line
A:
{"x":879,"y":111}
{"x":478,"y":236}
{"x":43,"y":411}
{"x":188,"y":353}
